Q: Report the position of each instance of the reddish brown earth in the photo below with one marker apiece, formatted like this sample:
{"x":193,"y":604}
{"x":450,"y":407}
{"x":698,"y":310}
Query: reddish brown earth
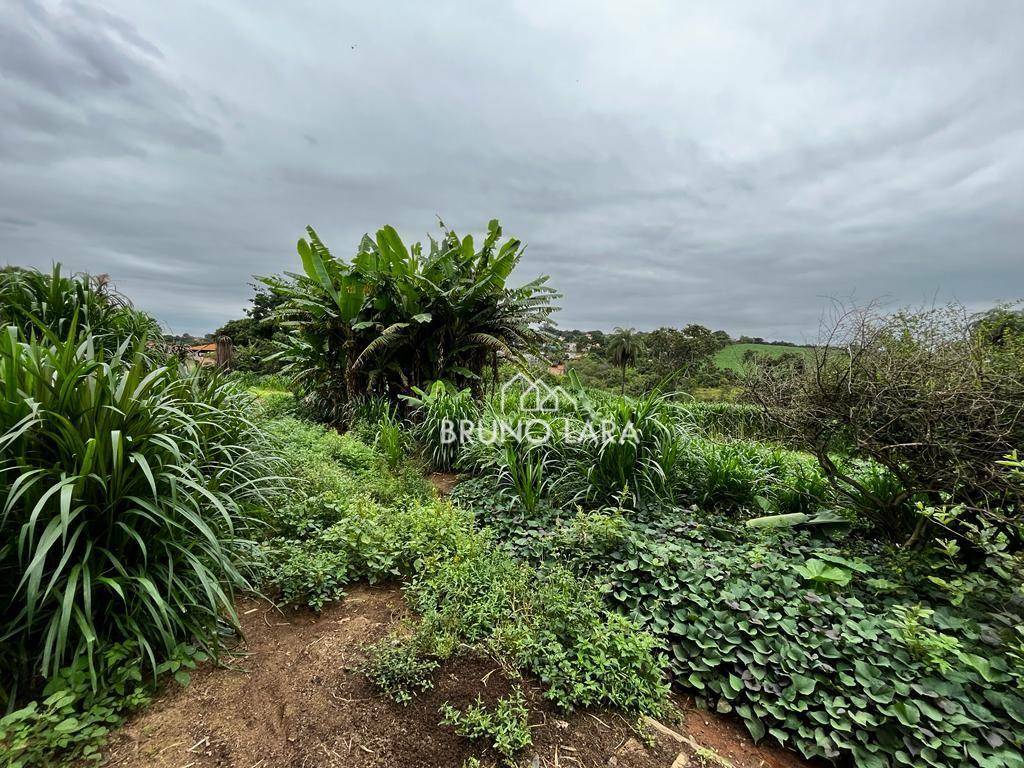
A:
{"x":297,"y":699}
{"x":443,"y":482}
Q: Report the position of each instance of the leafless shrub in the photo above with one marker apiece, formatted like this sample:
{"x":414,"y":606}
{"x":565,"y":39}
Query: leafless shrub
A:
{"x":924,"y":393}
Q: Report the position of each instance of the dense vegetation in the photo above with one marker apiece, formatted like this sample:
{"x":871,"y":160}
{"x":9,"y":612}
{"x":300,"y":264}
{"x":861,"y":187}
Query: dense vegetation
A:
{"x":46,"y":306}
{"x":139,"y":495}
{"x":396,"y":317}
{"x":800,"y":622}
{"x":692,"y":360}
{"x":126,"y":487}
{"x":629,"y":361}
{"x":837,"y":561}
{"x":767,"y":571}
{"x":351,"y":518}
{"x":931,"y":396}
{"x":830,"y":645}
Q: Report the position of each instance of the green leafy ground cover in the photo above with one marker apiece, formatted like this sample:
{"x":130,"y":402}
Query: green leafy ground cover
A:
{"x":830,"y":648}
{"x":72,"y":717}
{"x":504,"y":727}
{"x":776,"y":600}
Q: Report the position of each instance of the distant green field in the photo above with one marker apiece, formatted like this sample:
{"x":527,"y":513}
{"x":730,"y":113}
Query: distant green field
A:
{"x":731,"y":357}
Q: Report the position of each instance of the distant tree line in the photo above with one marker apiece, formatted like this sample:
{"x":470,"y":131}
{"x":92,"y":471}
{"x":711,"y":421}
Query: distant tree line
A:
{"x":634,"y":362}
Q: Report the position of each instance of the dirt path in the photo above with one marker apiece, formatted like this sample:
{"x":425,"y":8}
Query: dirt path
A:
{"x":297,"y":699}
{"x":444,"y":482}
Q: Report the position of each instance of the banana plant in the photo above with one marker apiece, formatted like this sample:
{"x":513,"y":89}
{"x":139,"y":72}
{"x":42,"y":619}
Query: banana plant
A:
{"x":395,"y":317}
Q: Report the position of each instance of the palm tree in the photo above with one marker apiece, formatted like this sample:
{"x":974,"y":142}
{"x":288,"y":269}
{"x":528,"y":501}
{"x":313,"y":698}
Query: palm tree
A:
{"x":625,"y":349}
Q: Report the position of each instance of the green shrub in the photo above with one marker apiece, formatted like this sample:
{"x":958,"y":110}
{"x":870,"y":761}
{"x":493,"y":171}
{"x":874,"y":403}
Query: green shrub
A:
{"x":505,"y":727}
{"x":250,"y":355}
{"x":400,"y":668}
{"x":591,"y":535}
{"x":71,"y":720}
{"x":353,"y":454}
{"x":592,"y":451}
{"x":553,"y":626}
{"x":367,"y":541}
{"x":391,"y":440}
{"x":876,"y":491}
{"x":125,"y":493}
{"x":311,"y":448}
{"x":935,"y":395}
{"x":588,"y":657}
{"x":347,"y":517}
{"x":307,"y":572}
{"x":909,"y":626}
{"x":800,"y":485}
{"x":887,"y":658}
{"x":396,"y":317}
{"x":371,"y":411}
{"x":525,"y":536}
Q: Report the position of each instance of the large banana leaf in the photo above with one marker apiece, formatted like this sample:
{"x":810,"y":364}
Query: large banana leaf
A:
{"x":444,"y":312}
{"x":344,"y":288}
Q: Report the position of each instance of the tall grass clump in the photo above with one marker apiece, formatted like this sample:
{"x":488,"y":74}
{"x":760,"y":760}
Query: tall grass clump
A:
{"x":736,"y":475}
{"x":729,"y":419}
{"x":37,"y":303}
{"x":124,"y":492}
{"x":592,"y":454}
{"x":440,"y":411}
{"x":627,"y":458}
{"x":524,"y":472}
{"x":391,"y":439}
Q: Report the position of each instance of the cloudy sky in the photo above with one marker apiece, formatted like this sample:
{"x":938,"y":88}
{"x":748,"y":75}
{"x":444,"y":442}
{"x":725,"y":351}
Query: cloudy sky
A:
{"x":728,"y":163}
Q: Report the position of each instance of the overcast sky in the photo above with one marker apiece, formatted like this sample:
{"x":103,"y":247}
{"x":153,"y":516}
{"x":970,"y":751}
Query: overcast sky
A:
{"x":727,"y":163}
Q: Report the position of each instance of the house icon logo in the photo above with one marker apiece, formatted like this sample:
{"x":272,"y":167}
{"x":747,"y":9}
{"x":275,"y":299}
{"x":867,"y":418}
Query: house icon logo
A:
{"x":528,"y":394}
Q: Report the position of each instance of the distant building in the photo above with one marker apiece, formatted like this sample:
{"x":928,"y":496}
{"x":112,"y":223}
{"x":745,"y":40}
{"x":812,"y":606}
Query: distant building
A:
{"x":203,"y":354}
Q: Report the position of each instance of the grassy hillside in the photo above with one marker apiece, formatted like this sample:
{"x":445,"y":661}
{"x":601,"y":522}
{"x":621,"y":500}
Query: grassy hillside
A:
{"x":731,"y":357}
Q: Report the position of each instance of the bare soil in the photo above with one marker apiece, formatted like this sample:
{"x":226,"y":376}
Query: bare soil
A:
{"x":297,"y":698}
{"x":443,"y":482}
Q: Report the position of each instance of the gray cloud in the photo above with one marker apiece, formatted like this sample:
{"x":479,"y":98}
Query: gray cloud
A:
{"x":731,"y":164}
{"x":80,"y":82}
